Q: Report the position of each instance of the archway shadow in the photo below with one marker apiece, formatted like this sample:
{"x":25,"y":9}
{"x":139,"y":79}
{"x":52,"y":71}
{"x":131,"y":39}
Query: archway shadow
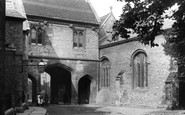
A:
{"x":61,"y":84}
{"x":84,"y":86}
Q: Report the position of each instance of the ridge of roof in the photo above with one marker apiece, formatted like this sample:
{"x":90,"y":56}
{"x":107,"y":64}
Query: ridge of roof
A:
{"x":53,"y":6}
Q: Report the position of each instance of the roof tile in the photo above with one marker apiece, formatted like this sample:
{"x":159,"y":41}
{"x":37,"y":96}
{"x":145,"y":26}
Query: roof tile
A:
{"x":71,"y":10}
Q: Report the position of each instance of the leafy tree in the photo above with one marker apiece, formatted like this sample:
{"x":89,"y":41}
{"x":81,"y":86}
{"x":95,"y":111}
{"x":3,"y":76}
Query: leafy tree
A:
{"x":146,"y":17}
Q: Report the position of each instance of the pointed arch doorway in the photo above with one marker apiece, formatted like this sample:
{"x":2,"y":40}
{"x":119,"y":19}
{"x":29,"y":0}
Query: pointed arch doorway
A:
{"x":84,"y":89}
{"x":60,"y":83}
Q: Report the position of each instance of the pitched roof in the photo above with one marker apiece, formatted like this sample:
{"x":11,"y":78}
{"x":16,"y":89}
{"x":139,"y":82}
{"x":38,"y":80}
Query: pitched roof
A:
{"x":103,"y":34}
{"x":13,"y":13}
{"x":70,"y":10}
{"x":103,"y":18}
{"x":15,"y":9}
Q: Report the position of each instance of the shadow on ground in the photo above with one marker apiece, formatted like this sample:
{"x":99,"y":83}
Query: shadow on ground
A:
{"x":76,"y":110}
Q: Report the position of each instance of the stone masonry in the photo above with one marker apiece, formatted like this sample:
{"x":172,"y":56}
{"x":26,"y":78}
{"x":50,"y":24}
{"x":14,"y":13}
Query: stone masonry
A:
{"x":120,"y":53}
{"x":158,"y":70}
{"x":57,"y":47}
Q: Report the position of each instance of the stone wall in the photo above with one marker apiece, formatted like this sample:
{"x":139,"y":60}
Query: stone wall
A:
{"x":59,"y":43}
{"x":10,"y":78}
{"x":15,"y":73}
{"x":14,"y":35}
{"x":120,"y":59}
{"x":57,"y":49}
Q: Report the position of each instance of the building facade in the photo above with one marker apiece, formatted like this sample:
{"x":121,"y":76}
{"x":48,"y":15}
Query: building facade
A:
{"x":64,"y":34}
{"x":15,"y":81}
{"x":132,"y":74}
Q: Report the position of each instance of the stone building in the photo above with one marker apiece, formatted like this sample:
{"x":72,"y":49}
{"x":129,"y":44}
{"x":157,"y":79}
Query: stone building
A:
{"x":132,"y":74}
{"x":15,"y":79}
{"x":63,"y":34}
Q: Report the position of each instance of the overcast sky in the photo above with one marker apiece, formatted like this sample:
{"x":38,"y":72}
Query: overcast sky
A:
{"x":102,"y":7}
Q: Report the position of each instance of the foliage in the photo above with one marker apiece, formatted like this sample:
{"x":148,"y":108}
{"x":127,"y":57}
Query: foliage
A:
{"x":146,"y":17}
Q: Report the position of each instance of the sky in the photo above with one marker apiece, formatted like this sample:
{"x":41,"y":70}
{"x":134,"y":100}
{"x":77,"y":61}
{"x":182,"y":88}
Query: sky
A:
{"x":102,"y":7}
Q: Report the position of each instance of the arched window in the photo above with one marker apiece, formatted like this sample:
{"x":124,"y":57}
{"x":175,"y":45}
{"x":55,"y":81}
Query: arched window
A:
{"x":79,"y":38}
{"x":140,"y":68}
{"x":105,"y":73}
{"x":36,"y":34}
{"x":33,"y":35}
{"x":75,"y":41}
{"x":39,"y":31}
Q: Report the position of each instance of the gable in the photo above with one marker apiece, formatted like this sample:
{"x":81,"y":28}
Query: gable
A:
{"x":107,"y":22}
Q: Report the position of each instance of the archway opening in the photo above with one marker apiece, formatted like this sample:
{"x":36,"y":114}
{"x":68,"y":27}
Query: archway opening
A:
{"x":29,"y":90}
{"x":84,"y":90}
{"x":60,"y":85}
{"x":45,"y":85}
{"x":32,"y":90}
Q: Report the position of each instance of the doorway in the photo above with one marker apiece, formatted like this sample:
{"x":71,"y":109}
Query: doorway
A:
{"x":60,"y":84}
{"x":84,"y":90}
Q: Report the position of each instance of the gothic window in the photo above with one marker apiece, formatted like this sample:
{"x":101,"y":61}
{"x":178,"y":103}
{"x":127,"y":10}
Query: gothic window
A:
{"x":105,"y":73}
{"x":33,"y":35}
{"x":140,"y":79}
{"x":40,"y":34}
{"x":78,"y":38}
{"x":75,"y":41}
{"x":36,"y":34}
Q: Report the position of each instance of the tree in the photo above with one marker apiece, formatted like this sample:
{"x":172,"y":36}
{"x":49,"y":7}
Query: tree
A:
{"x":146,"y":17}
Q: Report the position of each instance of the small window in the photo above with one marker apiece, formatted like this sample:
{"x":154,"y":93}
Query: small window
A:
{"x":78,"y":38}
{"x":75,"y":41}
{"x":40,"y":33}
{"x":81,"y":39}
{"x":36,"y":34}
{"x":33,"y":35}
{"x":140,"y":78}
